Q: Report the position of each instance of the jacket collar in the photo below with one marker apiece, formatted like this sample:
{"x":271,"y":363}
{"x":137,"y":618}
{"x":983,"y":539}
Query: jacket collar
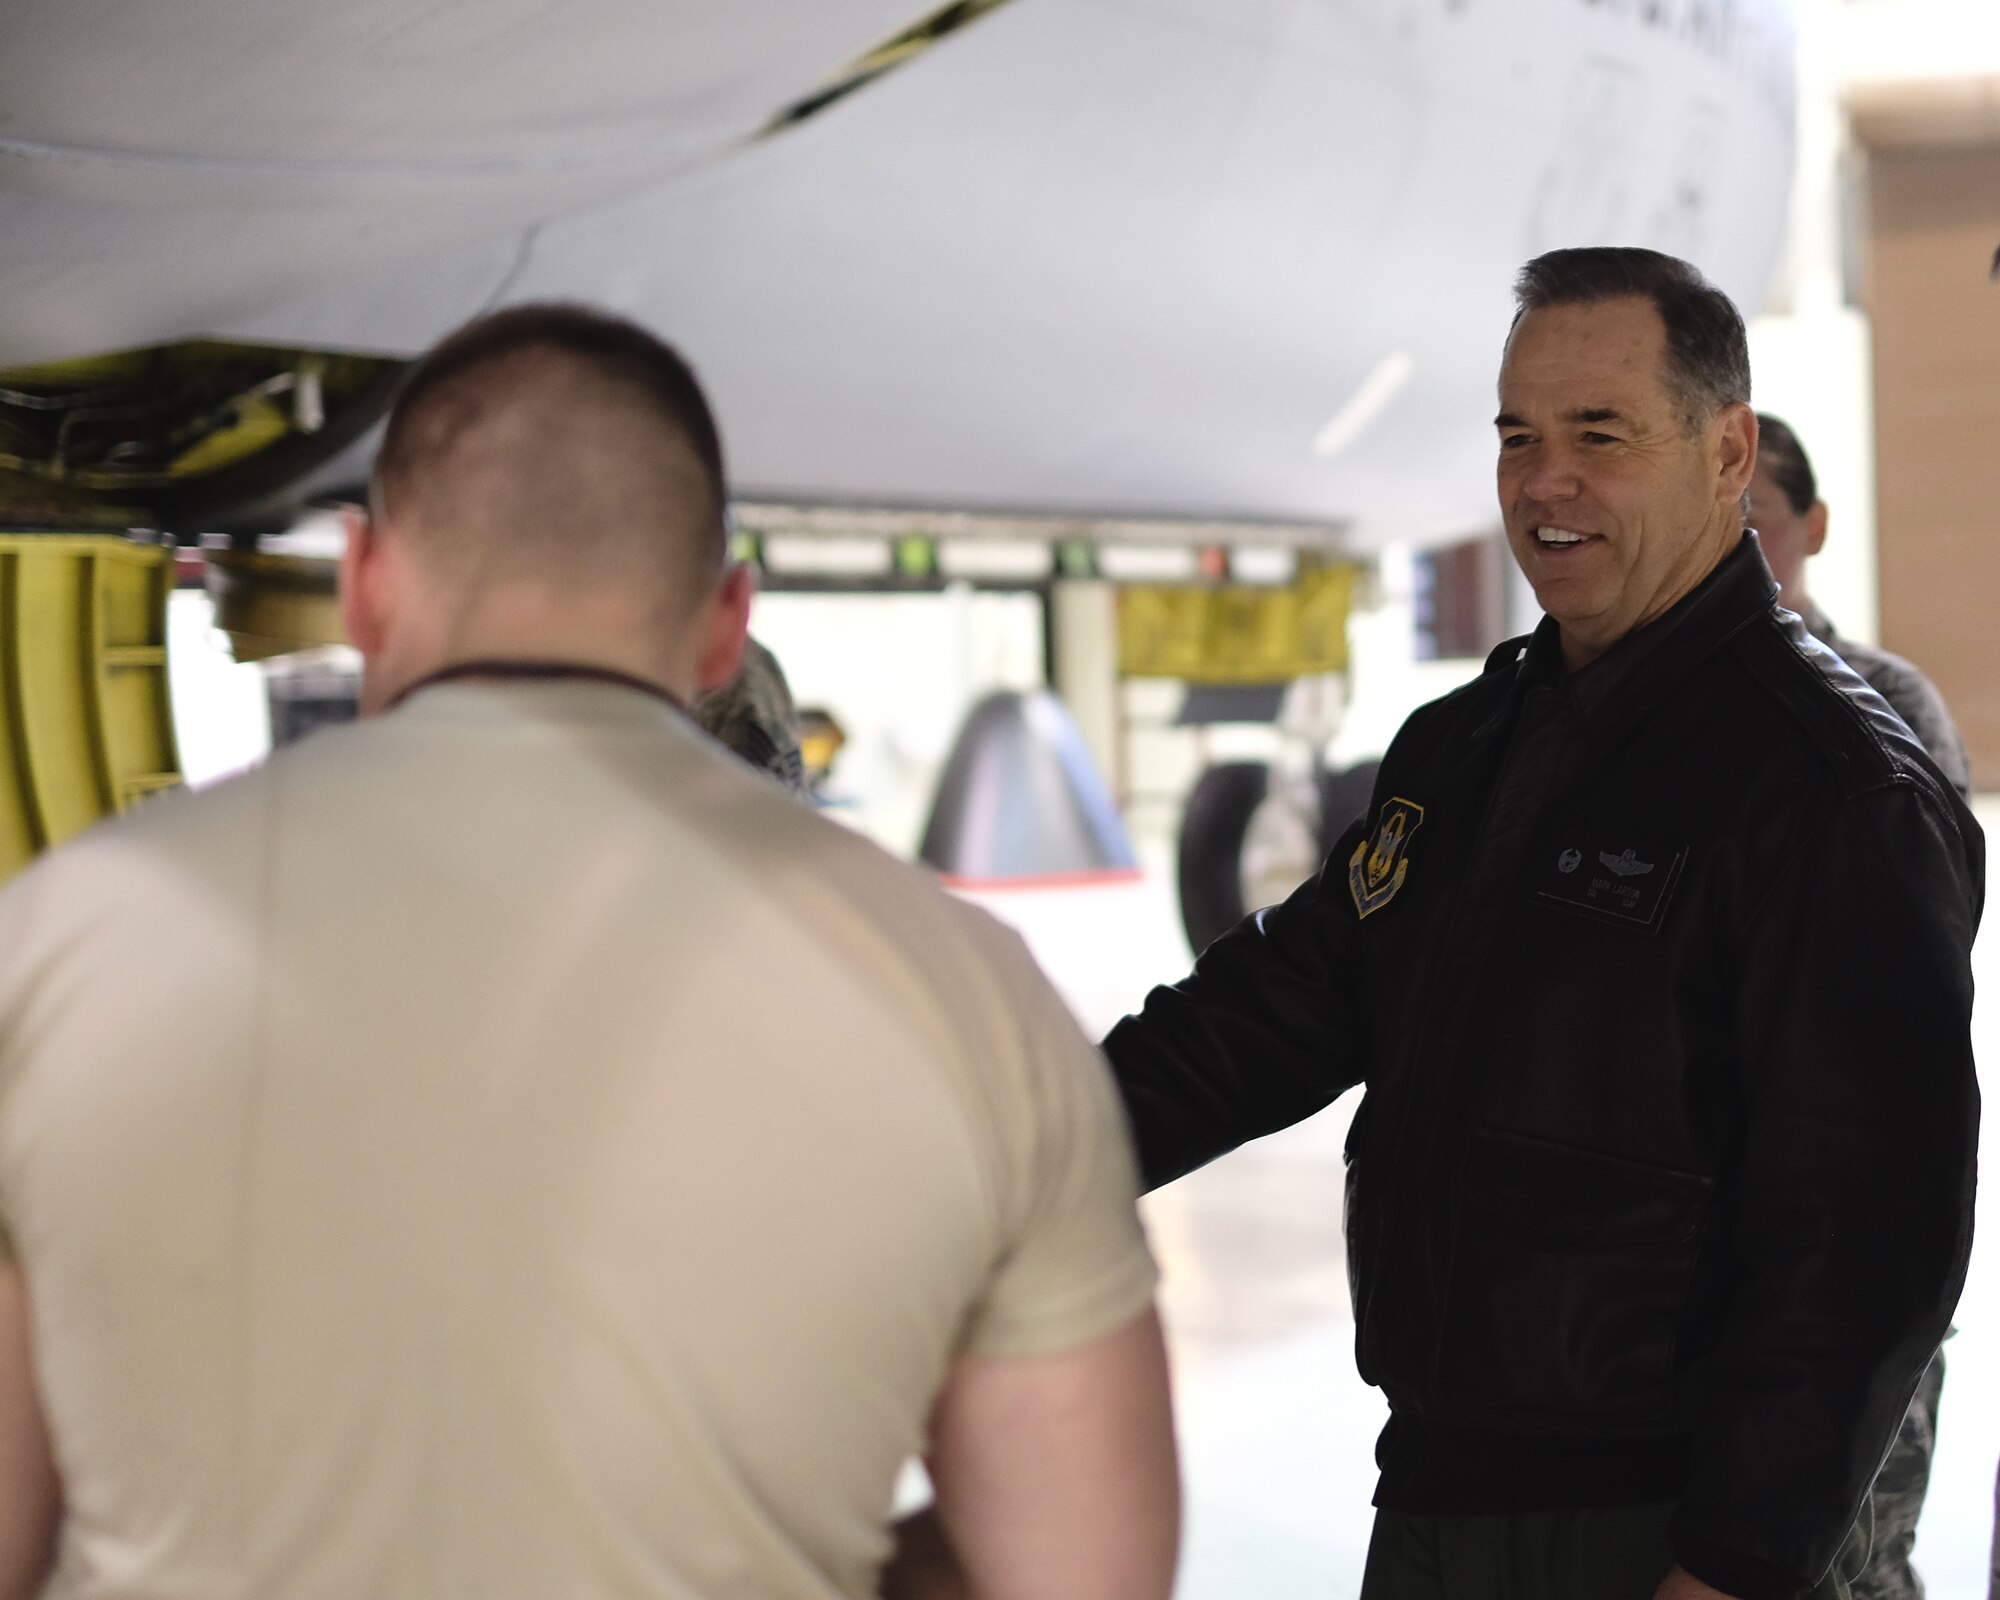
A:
{"x":1629,"y":679}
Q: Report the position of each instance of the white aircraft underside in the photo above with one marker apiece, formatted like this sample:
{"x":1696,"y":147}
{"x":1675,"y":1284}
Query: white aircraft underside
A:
{"x":1195,"y":258}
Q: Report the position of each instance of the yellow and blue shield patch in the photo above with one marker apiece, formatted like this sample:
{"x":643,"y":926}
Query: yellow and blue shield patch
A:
{"x":1380,"y":863}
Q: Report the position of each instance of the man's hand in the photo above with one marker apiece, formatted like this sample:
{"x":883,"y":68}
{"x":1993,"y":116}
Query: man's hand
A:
{"x":924,"y":1566}
{"x":1679,"y":1585}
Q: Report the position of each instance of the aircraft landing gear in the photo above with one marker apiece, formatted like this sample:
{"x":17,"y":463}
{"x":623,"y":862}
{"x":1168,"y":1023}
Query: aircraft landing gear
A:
{"x":1249,"y":839}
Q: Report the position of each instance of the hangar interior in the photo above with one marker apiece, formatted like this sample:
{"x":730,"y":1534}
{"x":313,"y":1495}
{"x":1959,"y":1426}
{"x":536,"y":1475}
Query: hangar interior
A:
{"x":936,"y":519}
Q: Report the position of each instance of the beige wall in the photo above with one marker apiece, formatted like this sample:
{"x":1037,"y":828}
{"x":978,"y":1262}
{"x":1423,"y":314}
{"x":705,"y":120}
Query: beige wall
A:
{"x":1935,"y":223}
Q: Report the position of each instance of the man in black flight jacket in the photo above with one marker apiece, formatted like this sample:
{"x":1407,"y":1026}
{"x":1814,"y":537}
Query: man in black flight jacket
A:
{"x":1653,"y":954}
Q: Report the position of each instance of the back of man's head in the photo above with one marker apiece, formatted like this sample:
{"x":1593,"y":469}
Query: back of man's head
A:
{"x":557,"y":447}
{"x":1708,"y":352}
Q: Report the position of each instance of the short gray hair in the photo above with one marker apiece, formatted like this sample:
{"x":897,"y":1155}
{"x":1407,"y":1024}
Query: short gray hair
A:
{"x":1708,"y":353}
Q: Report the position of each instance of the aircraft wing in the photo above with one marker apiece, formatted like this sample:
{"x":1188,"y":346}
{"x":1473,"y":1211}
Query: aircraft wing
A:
{"x":165,"y":169}
{"x":1194,"y":258}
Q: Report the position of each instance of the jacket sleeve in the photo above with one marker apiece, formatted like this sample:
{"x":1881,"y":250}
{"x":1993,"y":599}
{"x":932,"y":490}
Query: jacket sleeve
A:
{"x":1848,"y":1243}
{"x":1265,"y":1031}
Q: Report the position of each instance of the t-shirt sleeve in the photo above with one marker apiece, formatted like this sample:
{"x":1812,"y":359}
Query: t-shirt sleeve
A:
{"x":1073,"y":1262}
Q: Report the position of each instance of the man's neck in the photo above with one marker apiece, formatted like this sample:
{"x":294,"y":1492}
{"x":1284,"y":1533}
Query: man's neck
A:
{"x":1581,"y":653}
{"x":441,"y":630}
{"x":1578,"y":652}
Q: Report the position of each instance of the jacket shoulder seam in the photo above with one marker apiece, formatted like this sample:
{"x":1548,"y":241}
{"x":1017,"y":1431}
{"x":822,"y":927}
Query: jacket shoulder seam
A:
{"x":1753,"y":646}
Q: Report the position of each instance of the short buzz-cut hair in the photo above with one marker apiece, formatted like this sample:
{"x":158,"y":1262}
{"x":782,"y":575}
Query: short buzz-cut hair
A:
{"x":554,"y":433}
{"x":1708,"y":352}
{"x":1781,"y":455}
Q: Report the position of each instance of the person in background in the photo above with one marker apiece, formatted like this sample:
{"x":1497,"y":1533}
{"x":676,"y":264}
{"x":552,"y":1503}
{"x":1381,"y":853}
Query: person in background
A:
{"x":753,"y":715}
{"x":1790,"y":519}
{"x":502,"y":1147}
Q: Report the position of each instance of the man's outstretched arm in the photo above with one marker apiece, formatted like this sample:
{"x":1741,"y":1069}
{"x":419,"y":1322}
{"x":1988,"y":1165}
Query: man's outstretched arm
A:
{"x":1055,"y":1477}
{"x":30,"y":1494}
{"x":1264,"y":1032}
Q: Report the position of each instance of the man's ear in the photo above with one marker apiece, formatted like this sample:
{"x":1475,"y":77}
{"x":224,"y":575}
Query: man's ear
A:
{"x":724,"y":623}
{"x":362,"y":613}
{"x":1736,"y":446}
{"x":1816,"y":528}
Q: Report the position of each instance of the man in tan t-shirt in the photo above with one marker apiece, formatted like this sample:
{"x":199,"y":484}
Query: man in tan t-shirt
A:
{"x":506,"y":1148}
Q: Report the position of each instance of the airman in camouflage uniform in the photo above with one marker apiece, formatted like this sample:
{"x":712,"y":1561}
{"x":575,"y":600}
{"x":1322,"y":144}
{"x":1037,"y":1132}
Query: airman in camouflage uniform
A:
{"x":753,"y":715}
{"x":1790,"y":519}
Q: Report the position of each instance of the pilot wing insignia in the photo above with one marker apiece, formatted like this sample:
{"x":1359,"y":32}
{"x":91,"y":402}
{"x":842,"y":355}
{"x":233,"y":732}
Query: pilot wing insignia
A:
{"x":1380,"y":863}
{"x":1626,"y":865}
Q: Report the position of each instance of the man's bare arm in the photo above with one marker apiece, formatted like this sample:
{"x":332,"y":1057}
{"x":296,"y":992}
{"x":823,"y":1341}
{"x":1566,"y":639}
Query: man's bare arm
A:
{"x":1055,"y":1476}
{"x":31,"y":1506}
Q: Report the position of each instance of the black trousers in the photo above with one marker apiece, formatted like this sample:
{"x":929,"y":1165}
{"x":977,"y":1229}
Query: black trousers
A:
{"x":1615,"y":1554}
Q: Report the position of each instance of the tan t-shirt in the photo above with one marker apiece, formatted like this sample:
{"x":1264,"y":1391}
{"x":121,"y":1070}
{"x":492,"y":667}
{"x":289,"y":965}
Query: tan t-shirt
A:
{"x":507,"y":1148}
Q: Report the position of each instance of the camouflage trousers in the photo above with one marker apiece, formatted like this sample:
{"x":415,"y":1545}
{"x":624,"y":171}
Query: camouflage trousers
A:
{"x":1898,"y":1497}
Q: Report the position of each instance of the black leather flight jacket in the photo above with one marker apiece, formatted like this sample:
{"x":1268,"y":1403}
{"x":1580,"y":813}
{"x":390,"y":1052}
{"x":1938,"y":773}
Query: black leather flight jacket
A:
{"x":1658,"y":976}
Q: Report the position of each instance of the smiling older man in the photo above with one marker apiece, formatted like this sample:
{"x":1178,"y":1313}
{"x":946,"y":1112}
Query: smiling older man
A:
{"x":1653,"y":953}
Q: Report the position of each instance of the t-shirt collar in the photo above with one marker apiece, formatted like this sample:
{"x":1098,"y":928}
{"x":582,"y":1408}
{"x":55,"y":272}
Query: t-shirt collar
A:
{"x":536,"y":671}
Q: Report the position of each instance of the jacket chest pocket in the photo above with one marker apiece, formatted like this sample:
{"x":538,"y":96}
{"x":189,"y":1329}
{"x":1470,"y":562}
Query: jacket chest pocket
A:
{"x":1609,"y":877}
{"x":1570,"y":1274}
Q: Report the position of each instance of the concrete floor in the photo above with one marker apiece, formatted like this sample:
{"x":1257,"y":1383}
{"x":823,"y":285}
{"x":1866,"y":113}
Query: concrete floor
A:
{"x":1277,"y":1432}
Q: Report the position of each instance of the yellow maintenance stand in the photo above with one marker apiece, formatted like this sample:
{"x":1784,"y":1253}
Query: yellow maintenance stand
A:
{"x":83,"y":684}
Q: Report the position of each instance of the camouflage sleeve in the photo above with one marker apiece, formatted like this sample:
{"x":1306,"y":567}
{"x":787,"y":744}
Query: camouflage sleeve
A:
{"x":1915,"y":699}
{"x":753,"y":715}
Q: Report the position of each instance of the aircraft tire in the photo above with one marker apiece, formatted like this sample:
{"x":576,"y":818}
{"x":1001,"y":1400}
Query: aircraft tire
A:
{"x":1344,"y":798}
{"x":1213,"y":829}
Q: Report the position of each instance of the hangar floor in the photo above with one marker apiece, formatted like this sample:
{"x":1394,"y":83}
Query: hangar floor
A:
{"x":1277,"y":1432}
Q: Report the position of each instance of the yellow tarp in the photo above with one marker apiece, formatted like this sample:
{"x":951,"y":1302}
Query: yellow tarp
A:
{"x":1237,"y":633}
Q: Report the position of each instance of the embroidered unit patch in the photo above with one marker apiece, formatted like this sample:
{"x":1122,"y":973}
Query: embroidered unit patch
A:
{"x":1380,"y":863}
